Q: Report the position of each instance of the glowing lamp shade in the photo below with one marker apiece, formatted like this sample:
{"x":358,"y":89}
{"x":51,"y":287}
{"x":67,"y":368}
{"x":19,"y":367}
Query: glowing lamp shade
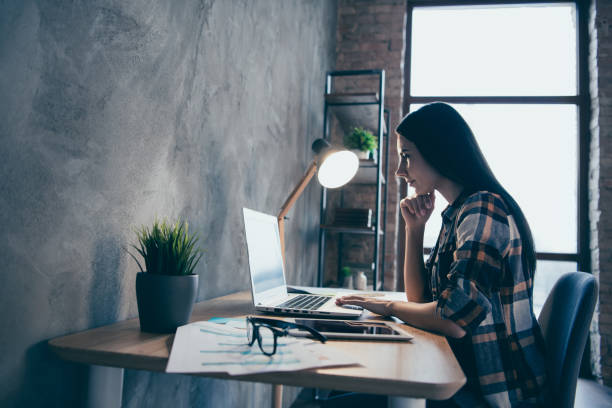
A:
{"x":335,"y":168}
{"x":338,"y":168}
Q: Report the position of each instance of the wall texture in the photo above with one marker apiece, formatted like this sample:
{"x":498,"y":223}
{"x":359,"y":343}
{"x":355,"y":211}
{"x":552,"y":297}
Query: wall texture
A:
{"x":113,"y":113}
{"x":600,"y":183}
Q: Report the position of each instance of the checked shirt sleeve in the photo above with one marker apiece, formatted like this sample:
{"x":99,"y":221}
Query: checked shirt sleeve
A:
{"x":483,"y":238}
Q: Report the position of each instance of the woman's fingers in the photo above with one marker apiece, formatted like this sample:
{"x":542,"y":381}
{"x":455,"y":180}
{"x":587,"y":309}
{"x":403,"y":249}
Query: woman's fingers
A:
{"x":417,"y":209}
{"x":356,"y":300}
{"x":420,"y":205}
{"x":408,"y":204}
{"x":361,"y":303}
{"x":374,"y":305}
{"x":404,"y":205}
{"x":431,"y":197}
{"x":350,"y":298}
{"x":427,"y":202}
{"x":353,"y":300}
{"x":424,"y":203}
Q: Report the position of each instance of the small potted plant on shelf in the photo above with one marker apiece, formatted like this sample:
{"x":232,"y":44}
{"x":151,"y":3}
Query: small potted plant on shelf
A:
{"x":347,"y":277}
{"x":361,"y":142}
{"x":167,"y":287}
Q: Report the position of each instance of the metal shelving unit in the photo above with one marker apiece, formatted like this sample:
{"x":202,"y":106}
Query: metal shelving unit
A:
{"x":365,"y":110}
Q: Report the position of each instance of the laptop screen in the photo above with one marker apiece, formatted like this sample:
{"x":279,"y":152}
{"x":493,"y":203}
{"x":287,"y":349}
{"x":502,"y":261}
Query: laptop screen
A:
{"x":265,"y":257}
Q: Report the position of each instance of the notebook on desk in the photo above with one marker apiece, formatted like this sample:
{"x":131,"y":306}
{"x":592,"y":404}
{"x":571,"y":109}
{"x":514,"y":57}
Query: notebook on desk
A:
{"x":268,"y":284}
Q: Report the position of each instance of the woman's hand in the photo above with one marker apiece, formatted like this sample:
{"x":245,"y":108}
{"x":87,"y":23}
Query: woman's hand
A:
{"x":378,"y":306}
{"x":416,"y":210}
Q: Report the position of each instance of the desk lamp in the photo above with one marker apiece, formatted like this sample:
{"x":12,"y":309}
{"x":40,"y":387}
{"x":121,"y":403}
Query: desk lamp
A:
{"x":336,"y":168}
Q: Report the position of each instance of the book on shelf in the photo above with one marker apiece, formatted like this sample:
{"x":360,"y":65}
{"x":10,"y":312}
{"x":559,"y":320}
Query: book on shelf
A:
{"x":353,"y":217}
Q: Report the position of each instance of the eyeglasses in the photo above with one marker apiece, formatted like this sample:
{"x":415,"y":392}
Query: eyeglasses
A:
{"x":267,"y":331}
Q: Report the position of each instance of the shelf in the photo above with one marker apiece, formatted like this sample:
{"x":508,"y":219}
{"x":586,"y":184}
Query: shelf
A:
{"x":367,"y":175}
{"x":339,"y":98}
{"x":367,"y":163}
{"x":353,"y":265}
{"x":350,"y":110}
{"x":355,"y":109}
{"x":351,"y":230}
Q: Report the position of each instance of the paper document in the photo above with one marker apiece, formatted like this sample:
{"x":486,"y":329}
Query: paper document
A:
{"x":207,"y":347}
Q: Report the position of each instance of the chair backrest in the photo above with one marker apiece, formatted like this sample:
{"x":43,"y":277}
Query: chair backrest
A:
{"x":565,"y":320}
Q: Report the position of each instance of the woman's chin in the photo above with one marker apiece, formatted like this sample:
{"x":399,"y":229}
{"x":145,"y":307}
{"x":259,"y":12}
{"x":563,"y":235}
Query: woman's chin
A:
{"x":422,"y":191}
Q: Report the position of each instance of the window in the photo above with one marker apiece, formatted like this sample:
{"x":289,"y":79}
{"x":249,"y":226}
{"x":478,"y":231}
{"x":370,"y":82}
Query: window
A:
{"x":511,"y":70}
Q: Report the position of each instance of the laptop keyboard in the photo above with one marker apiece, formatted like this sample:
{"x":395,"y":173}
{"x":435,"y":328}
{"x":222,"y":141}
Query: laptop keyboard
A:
{"x":305,"y":302}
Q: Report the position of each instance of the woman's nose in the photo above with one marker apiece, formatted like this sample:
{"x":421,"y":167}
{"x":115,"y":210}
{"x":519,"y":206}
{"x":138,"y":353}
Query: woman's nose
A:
{"x":401,"y":172}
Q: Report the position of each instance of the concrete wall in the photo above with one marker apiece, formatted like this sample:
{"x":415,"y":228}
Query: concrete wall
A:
{"x":112,"y":113}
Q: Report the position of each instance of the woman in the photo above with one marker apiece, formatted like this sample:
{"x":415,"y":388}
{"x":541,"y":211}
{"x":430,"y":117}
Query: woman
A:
{"x":476,"y":287}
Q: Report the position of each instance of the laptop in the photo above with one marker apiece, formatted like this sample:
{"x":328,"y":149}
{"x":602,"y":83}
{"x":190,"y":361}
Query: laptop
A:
{"x":268,"y":284}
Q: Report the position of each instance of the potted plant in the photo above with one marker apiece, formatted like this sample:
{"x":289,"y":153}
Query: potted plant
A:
{"x":167,"y":287}
{"x":347,"y":277}
{"x":361,"y":142}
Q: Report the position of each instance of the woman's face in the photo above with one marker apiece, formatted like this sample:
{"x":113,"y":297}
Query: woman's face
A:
{"x":414,"y":168}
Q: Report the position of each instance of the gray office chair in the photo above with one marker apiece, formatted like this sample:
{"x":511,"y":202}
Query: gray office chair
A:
{"x":565,"y":320}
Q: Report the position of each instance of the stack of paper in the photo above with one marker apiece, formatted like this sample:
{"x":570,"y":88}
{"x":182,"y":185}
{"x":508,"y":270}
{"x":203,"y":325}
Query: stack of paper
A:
{"x":206,"y":347}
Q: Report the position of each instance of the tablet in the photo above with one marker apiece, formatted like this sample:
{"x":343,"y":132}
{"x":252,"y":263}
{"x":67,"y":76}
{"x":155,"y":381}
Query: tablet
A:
{"x":347,"y":329}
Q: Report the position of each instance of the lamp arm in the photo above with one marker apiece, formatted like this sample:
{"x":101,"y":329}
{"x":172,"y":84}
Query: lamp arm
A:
{"x":295,"y":194}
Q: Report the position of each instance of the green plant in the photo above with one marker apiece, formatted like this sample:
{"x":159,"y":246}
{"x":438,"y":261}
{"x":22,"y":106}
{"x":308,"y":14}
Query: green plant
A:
{"x":346,"y":271}
{"x":167,"y":249}
{"x":362,"y":139}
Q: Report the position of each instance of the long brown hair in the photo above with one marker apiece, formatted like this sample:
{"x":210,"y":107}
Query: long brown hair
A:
{"x":447,"y":143}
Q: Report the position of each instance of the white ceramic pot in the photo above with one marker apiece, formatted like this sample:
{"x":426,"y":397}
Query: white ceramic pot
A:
{"x":360,"y":154}
{"x":361,"y":280}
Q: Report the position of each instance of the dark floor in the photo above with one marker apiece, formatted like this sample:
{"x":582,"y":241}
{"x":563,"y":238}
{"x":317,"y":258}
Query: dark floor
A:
{"x":589,"y":394}
{"x":339,"y":400}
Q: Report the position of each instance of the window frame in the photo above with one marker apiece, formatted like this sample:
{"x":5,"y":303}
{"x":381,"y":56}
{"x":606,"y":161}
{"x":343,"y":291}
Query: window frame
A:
{"x":582,"y":101}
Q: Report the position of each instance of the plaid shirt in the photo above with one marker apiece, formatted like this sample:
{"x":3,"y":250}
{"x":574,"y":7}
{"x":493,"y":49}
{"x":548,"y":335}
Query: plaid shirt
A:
{"x":479,"y":281}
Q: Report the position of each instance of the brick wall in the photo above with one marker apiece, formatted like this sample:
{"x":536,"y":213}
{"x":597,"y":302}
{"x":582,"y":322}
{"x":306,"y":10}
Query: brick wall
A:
{"x":371,"y":35}
{"x":600,"y":182}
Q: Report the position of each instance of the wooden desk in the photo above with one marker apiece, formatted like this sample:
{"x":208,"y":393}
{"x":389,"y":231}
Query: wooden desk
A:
{"x":423,"y":368}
